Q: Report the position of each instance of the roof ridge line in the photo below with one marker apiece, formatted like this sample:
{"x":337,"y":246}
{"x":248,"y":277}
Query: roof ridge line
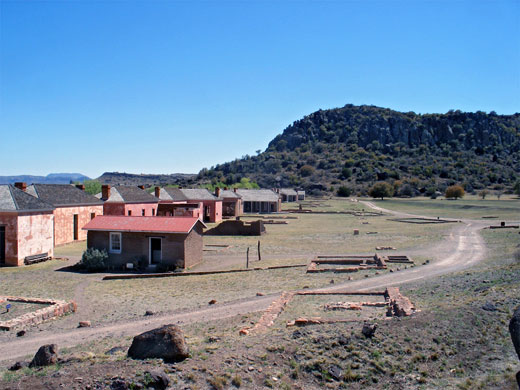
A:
{"x":10,"y":186}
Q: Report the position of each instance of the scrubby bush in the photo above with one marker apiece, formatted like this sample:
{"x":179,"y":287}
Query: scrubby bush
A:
{"x":306,"y":170}
{"x":454,"y":192}
{"x":344,"y":191}
{"x":94,"y":260}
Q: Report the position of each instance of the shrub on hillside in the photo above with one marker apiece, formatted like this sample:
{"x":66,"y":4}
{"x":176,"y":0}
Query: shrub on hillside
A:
{"x":306,"y":170}
{"x":344,"y":191}
{"x":381,"y":190}
{"x":94,"y":260}
{"x":454,"y":192}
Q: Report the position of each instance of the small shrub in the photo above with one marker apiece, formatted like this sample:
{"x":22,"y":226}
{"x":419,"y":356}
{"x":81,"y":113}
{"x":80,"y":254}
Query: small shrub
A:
{"x":94,"y":260}
{"x":217,"y":382}
{"x":344,"y":191}
{"x":306,"y":170}
{"x":236,"y":381}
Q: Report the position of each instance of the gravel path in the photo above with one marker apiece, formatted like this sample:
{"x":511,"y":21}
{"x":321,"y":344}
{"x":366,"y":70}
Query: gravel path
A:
{"x":463,"y":248}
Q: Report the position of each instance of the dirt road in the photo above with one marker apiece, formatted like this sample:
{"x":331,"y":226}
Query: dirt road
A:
{"x":463,"y":248}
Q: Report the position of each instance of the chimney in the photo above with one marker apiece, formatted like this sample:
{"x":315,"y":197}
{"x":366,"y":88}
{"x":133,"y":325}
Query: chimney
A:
{"x":235,"y":189}
{"x":217,"y":192}
{"x":21,"y":185}
{"x":81,"y":186}
{"x":105,"y":191}
{"x":157,"y":192}
{"x":141,"y":187}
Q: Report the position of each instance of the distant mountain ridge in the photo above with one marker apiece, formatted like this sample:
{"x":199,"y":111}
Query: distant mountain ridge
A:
{"x":355,"y":146}
{"x":121,"y":178}
{"x":52,"y":178}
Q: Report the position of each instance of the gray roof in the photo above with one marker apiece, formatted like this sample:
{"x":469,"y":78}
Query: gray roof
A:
{"x":13,"y":199}
{"x":62,"y":195}
{"x":229,"y":194}
{"x":169,"y":193}
{"x":288,"y":191}
{"x":258,"y":195}
{"x":130,"y":194}
{"x":300,"y":192}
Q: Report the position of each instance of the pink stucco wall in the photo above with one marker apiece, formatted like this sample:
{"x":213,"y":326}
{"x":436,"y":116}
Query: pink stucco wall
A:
{"x":215,"y":209}
{"x":115,"y":208}
{"x":35,"y":235}
{"x":137,"y":209}
{"x":64,"y":222}
{"x":27,"y":234}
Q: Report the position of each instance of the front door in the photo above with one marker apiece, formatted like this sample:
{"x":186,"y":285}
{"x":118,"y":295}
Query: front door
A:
{"x":155,"y":250}
{"x":2,"y":245}
{"x":76,"y":227}
{"x":206,"y":214}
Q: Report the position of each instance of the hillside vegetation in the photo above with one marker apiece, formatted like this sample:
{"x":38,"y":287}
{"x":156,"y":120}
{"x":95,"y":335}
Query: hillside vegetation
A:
{"x":355,"y":146}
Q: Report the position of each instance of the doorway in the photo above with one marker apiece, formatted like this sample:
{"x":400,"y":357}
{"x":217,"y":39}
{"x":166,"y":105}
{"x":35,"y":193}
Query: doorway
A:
{"x":206,"y":214}
{"x":155,"y":250}
{"x":2,"y":245}
{"x":76,"y":227}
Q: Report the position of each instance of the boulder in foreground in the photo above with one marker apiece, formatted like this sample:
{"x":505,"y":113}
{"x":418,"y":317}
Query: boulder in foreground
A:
{"x":46,"y":355}
{"x":165,"y":343}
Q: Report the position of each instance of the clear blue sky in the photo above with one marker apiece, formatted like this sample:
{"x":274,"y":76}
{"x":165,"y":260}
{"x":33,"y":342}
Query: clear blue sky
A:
{"x":165,"y":86}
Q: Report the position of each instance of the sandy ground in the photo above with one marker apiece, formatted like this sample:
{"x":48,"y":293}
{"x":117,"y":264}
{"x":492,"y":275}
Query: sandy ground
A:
{"x":463,"y":248}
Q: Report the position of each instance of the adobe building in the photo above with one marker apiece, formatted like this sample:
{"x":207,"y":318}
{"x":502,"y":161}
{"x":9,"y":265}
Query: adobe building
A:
{"x":301,"y":195}
{"x":128,"y":200}
{"x":231,"y":202}
{"x":160,"y":240}
{"x":26,"y":227}
{"x":211,"y":205}
{"x":193,"y":210}
{"x":288,"y":195}
{"x":73,"y":208}
{"x":260,"y":201}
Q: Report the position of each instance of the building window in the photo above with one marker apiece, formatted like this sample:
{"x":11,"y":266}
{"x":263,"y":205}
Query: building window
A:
{"x":115,"y":243}
{"x":129,"y":212}
{"x":142,"y":212}
{"x":153,"y":212}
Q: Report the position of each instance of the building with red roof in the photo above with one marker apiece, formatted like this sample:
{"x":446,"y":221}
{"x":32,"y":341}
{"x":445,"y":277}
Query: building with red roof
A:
{"x":147,"y":241}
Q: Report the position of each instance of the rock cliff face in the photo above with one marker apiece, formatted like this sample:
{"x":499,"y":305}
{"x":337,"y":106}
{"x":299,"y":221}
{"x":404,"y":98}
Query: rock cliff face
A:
{"x":355,"y":146}
{"x":364,"y":125}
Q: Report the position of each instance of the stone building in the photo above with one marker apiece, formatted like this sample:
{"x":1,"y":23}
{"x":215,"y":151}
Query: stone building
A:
{"x":260,"y":201}
{"x":128,"y":200}
{"x":73,"y":208}
{"x":156,"y":240}
{"x":211,"y":205}
{"x":26,"y":227}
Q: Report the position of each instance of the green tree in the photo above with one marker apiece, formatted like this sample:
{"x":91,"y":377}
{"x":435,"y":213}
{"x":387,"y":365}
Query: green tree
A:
{"x":454,"y":192}
{"x":381,"y":190}
{"x":92,"y":187}
{"x":344,"y":191}
{"x":306,"y":170}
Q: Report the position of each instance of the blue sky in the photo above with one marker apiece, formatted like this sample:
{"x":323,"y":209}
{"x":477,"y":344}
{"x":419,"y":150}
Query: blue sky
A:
{"x":166,"y":86}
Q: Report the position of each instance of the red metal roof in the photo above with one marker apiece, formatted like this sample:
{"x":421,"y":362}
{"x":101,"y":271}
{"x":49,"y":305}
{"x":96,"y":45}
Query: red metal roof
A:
{"x":120,"y":223}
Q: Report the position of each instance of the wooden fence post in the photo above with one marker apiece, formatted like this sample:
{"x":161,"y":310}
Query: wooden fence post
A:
{"x":259,"y":255}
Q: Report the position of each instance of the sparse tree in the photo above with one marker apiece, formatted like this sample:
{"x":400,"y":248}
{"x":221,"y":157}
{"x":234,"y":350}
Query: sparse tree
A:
{"x":381,"y":190}
{"x":306,"y":170}
{"x":454,"y":192}
{"x":483,"y":194}
{"x":344,"y":191}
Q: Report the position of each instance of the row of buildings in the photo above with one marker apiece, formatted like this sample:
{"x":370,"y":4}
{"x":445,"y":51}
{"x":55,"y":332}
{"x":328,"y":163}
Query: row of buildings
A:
{"x":34,"y":219}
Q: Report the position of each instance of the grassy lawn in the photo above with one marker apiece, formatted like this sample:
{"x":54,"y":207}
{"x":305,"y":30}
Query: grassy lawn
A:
{"x":506,"y":208}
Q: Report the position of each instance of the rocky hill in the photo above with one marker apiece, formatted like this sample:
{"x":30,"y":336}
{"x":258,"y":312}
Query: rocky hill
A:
{"x":355,"y":146}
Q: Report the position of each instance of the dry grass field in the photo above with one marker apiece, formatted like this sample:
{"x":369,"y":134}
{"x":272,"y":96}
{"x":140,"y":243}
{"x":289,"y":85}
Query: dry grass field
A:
{"x":452,"y":343}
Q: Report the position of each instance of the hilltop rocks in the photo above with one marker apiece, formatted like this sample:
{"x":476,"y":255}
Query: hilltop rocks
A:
{"x":369,"y":329}
{"x":165,"y":343}
{"x":46,"y":355}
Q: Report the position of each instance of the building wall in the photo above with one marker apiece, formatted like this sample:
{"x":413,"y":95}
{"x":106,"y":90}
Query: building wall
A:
{"x":112,"y":208}
{"x":150,"y":209}
{"x":64,"y":222}
{"x":135,"y":246}
{"x":193,"y":247}
{"x":10,"y":222}
{"x":215,"y":209}
{"x":35,"y":235}
{"x":231,"y":207}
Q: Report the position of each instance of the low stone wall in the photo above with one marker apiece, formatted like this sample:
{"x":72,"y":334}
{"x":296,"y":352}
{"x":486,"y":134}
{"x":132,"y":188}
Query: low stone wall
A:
{"x":56,"y":308}
{"x":237,"y":228}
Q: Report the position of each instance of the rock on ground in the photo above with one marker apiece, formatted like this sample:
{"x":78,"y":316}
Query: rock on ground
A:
{"x":46,"y":355}
{"x":165,"y":343}
{"x":368,"y":329}
{"x":157,"y":380}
